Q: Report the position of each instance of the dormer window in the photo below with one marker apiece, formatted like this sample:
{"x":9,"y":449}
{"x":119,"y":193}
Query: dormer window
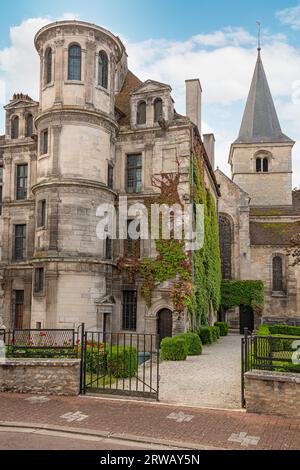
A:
{"x":15,"y":127}
{"x":29,"y":125}
{"x":158,"y":109}
{"x":141,"y":113}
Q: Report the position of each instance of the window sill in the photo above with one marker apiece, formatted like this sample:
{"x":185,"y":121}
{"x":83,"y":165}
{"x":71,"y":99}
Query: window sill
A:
{"x":39,"y":295}
{"x":74,"y":82}
{"x":101,"y":88}
{"x":44,"y":155}
{"x":49,"y":85}
{"x":279,"y":294}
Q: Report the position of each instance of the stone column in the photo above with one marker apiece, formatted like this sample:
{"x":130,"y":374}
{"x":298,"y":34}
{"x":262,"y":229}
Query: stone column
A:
{"x":56,"y":131}
{"x":59,"y":70}
{"x":90,"y":72}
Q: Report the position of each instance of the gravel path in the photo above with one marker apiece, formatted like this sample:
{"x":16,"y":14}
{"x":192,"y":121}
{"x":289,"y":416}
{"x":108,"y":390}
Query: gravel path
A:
{"x":211,"y":380}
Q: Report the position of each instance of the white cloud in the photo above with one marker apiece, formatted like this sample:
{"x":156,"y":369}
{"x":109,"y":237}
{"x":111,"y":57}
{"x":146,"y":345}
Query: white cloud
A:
{"x":290,"y":16}
{"x":223,"y":60}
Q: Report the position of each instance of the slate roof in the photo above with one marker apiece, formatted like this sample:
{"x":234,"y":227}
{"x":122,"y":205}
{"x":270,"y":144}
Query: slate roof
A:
{"x":260,"y":122}
{"x":278,"y":234}
{"x":122,"y":103}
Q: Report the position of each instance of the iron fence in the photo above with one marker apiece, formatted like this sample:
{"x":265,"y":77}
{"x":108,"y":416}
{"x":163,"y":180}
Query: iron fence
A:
{"x":121,"y":364}
{"x":46,"y":343}
{"x":270,"y":353}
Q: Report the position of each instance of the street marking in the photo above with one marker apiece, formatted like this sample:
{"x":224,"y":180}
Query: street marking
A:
{"x":37,"y":400}
{"x":180,"y":417}
{"x":243,"y":439}
{"x":76,"y":416}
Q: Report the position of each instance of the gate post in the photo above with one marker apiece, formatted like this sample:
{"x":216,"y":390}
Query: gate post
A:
{"x":82,"y":364}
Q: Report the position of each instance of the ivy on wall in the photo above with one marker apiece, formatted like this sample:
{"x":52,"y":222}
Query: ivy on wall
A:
{"x":196,"y":275}
{"x":246,"y":293}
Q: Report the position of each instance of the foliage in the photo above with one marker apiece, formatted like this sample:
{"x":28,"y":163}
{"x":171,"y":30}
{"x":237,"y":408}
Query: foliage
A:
{"x":216,"y":332}
{"x":96,"y":359}
{"x":284,"y":330}
{"x":197,"y":275}
{"x":194,"y":344}
{"x":40,"y":353}
{"x":206,"y":335}
{"x":246,"y":293}
{"x":122,"y":362}
{"x":174,"y":349}
{"x":224,"y":328}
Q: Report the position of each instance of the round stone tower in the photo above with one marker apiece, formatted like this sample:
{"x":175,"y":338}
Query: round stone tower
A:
{"x":83,"y":66}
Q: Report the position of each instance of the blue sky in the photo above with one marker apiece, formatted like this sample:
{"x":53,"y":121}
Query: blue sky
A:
{"x":174,"y":40}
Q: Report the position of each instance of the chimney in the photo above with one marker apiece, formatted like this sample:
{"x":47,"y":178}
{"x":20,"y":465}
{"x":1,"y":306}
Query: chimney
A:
{"x":209,"y":144}
{"x":193,"y":101}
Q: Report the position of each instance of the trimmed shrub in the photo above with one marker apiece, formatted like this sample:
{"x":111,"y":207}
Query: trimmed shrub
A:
{"x":122,"y":362}
{"x":194,"y":344}
{"x":224,"y":328}
{"x":216,"y":332}
{"x":96,"y":359}
{"x":206,"y":335}
{"x":174,"y":349}
{"x":284,"y":330}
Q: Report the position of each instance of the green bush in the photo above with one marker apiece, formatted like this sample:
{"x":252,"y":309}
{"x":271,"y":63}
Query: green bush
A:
{"x":122,"y":362}
{"x":96,"y":360}
{"x":194,"y":344}
{"x":284,"y":330}
{"x":224,"y":328}
{"x":206,"y":335}
{"x":174,"y":349}
{"x":216,"y":332}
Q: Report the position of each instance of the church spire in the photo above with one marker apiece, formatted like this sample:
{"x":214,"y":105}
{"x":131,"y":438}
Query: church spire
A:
{"x":260,"y":121}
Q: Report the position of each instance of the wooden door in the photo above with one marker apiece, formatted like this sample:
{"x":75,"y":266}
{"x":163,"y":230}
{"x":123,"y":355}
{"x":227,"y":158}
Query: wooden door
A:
{"x":19,"y":309}
{"x":246,"y":319}
{"x":165,"y":324}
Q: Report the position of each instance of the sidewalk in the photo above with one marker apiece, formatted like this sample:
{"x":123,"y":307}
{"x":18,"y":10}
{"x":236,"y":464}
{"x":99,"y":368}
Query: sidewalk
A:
{"x":152,"y":423}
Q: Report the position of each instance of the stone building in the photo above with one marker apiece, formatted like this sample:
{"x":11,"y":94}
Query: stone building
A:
{"x":259,"y":212}
{"x":97,"y":133}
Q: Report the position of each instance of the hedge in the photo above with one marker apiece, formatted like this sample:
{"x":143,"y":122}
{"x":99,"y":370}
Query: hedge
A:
{"x":194,"y":344}
{"x":224,"y":328}
{"x":122,"y":362}
{"x":206,"y":335}
{"x":247,"y":293}
{"x":174,"y":349}
{"x":284,"y":330}
{"x":216,"y":332}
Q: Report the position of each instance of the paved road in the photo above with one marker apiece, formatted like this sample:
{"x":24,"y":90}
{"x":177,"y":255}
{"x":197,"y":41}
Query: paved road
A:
{"x":148,"y":423}
{"x":210,"y":380}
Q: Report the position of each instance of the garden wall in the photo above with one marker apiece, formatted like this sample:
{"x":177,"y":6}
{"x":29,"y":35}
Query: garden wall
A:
{"x":41,"y":376}
{"x":273,"y":393}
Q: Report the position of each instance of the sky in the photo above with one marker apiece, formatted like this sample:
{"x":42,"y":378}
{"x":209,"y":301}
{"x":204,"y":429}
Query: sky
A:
{"x":171,"y":41}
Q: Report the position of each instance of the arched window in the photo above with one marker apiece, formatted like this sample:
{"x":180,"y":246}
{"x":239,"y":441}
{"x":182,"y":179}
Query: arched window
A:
{"x":103,"y":69}
{"x":29,"y":125}
{"x":141,"y":113}
{"x":258,"y":165}
{"x":15,"y":128}
{"x":265,"y":165}
{"x":74,"y":65}
{"x":48,"y":65}
{"x":225,"y":232}
{"x":158,"y":109}
{"x":277,"y":274}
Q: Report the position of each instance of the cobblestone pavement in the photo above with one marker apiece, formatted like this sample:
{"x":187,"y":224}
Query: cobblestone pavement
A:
{"x":151,"y":423}
{"x":210,"y":380}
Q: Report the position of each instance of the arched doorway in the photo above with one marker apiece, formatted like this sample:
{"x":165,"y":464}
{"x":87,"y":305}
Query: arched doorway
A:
{"x":164,"y":324}
{"x":246,"y":319}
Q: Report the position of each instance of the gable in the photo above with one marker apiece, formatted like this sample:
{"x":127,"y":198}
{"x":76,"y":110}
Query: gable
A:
{"x":151,"y":86}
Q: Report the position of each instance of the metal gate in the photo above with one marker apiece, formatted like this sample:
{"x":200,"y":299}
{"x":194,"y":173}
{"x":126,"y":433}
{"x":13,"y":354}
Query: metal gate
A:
{"x":120,"y":364}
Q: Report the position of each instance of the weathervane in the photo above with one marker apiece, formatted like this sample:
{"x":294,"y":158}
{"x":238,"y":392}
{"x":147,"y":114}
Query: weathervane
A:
{"x":259,"y":35}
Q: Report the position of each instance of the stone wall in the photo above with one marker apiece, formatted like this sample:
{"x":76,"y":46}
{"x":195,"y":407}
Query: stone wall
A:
{"x":273,"y":393}
{"x":41,"y":376}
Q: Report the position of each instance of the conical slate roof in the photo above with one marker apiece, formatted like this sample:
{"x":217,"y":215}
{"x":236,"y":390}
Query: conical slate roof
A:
{"x":260,"y":121}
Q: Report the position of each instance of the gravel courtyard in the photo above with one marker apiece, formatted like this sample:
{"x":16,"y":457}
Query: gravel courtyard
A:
{"x":211,"y":380}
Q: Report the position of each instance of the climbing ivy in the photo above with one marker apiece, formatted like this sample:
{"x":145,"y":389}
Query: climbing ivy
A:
{"x":196,"y":275}
{"x":246,"y":293}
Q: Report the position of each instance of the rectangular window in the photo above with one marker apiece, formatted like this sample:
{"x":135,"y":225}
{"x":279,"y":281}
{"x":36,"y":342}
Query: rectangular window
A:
{"x":134,"y":173}
{"x":129,"y":310}
{"x":132,"y":248}
{"x":41,"y":213}
{"x":19,"y":308}
{"x":22,"y":179}
{"x":44,"y":142}
{"x":39,"y":280}
{"x":20,"y":242}
{"x":110,"y":176}
{"x":108,"y":248}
